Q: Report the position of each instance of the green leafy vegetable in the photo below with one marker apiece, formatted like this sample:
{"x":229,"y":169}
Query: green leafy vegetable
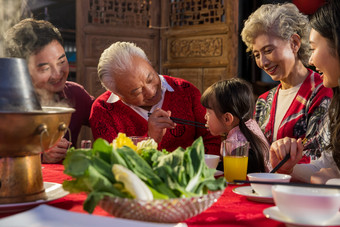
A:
{"x":181,"y":173}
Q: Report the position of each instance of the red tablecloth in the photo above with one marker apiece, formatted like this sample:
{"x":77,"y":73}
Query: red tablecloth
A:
{"x":230,"y":210}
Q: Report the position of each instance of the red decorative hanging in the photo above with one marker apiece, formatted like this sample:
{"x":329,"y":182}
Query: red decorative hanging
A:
{"x":308,"y":6}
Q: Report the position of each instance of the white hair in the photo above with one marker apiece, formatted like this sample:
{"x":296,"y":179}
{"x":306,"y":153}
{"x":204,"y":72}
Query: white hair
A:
{"x":282,"y":20}
{"x":117,"y":59}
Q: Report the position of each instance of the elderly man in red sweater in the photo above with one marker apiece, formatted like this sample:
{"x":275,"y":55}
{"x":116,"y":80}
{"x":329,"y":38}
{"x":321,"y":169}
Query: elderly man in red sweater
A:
{"x":139,"y":102}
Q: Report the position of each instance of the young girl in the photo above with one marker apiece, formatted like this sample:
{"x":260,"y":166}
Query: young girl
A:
{"x":230,"y":105}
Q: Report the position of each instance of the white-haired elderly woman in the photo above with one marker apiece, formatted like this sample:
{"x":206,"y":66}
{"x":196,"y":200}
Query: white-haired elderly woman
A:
{"x":139,"y":102}
{"x":277,"y":36}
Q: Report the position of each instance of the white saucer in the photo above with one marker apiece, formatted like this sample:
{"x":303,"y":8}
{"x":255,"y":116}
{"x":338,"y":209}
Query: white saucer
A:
{"x":248,"y":192}
{"x":53,"y":191}
{"x":275,"y":214}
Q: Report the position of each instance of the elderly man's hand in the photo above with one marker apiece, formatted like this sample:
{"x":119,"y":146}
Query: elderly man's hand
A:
{"x":158,"y":122}
{"x":280,"y":148}
{"x":56,"y":153}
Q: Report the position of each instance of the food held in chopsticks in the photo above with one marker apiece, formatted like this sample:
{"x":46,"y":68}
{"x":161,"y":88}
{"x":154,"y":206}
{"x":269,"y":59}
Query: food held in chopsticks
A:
{"x":186,"y":122}
{"x":179,"y":174}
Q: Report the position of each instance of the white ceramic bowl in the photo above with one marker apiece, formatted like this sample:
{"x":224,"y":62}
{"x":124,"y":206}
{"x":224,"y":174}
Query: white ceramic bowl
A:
{"x":308,"y":205}
{"x":266,"y":189}
{"x":211,"y":160}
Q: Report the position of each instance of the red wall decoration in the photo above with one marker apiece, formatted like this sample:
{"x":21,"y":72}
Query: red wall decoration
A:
{"x":308,"y":6}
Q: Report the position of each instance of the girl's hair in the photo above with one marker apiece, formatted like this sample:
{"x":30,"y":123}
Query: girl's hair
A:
{"x":117,"y":59}
{"x":326,"y":21}
{"x":30,"y":36}
{"x":236,"y":97}
{"x":281,"y":20}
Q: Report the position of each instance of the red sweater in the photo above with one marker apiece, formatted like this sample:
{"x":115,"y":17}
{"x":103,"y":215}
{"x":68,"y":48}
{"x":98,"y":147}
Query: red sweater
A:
{"x":78,"y":98}
{"x":108,"y":119}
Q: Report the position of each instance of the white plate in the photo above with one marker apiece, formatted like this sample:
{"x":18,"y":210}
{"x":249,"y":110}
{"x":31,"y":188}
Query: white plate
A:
{"x":49,"y":216}
{"x":53,"y":191}
{"x":248,"y":192}
{"x":275,"y":214}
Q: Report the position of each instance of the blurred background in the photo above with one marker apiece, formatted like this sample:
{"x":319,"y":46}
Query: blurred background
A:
{"x":197,"y":40}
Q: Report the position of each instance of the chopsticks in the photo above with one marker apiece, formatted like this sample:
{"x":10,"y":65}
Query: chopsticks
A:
{"x":186,"y":122}
{"x":330,"y":186}
{"x":285,"y":159}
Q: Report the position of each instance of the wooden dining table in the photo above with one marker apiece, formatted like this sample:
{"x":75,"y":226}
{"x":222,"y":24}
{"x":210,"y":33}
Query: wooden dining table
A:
{"x":231,"y":209}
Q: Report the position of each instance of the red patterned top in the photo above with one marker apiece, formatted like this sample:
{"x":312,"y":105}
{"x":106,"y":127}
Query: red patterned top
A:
{"x":108,"y":119}
{"x":303,"y":117}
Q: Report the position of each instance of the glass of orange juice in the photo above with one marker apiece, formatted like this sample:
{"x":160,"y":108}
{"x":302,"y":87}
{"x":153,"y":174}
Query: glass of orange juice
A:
{"x":235,"y":159}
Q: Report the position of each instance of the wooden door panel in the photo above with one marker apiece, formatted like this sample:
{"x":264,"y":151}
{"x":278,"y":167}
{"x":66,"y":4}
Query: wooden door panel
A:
{"x":92,"y":81}
{"x":211,"y":75}
{"x":193,"y":75}
{"x":95,"y":45}
{"x":193,"y":51}
{"x":201,"y":41}
{"x":102,"y":22}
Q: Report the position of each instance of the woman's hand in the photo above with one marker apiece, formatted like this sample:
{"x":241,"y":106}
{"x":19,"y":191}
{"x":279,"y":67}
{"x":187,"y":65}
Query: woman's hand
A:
{"x":158,"y":122}
{"x":280,"y":148}
{"x":324,"y":175}
{"x":56,"y":153}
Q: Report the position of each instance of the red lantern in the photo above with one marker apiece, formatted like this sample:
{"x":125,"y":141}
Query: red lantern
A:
{"x":308,"y":6}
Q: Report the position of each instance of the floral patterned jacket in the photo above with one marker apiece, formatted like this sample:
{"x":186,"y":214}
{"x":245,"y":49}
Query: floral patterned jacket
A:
{"x":304,"y":117}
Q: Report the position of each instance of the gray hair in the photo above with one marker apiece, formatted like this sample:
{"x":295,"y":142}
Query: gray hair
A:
{"x":116,"y":59}
{"x":281,"y":20}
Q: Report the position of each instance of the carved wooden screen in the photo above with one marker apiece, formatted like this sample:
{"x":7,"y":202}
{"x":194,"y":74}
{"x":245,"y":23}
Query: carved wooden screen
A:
{"x":184,"y":13}
{"x":201,"y":42}
{"x":133,"y":13}
{"x":103,"y":22}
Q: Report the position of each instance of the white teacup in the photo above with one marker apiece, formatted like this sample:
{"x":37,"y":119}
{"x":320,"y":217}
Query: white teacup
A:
{"x":212,"y":160}
{"x":266,"y":189}
{"x":307,"y":205}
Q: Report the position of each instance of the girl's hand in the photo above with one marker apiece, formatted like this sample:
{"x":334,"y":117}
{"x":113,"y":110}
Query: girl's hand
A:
{"x":280,"y":148}
{"x":158,"y":122}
